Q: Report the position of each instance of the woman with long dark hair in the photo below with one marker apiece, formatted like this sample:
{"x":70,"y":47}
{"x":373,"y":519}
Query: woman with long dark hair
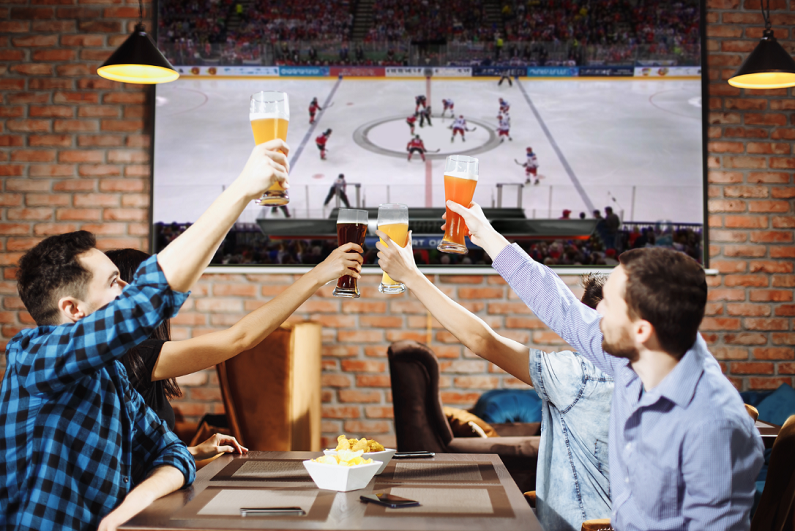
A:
{"x":154,"y":365}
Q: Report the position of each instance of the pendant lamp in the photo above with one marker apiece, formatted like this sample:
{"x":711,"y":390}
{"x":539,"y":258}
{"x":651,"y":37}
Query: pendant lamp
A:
{"x":138,"y":60}
{"x":769,"y":66}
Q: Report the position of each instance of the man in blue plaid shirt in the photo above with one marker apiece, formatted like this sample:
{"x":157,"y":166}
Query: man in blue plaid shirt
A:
{"x":70,"y":424}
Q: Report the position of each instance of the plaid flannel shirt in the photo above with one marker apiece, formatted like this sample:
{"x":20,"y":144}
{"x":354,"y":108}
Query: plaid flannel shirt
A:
{"x":71,"y":426}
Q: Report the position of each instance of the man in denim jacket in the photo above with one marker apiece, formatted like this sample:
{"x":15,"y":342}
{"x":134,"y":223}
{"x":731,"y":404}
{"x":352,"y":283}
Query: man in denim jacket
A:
{"x":572,"y":481}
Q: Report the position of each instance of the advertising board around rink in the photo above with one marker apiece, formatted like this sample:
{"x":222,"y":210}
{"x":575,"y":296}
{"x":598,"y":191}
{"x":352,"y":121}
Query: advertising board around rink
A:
{"x":428,"y":71}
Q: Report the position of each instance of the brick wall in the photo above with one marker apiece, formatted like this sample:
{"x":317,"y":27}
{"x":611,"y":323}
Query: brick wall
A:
{"x":74,"y":154}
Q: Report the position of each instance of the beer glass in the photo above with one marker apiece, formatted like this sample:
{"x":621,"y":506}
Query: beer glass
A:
{"x":460,"y":179}
{"x":351,"y":228}
{"x":393,"y":219}
{"x":269,"y":113}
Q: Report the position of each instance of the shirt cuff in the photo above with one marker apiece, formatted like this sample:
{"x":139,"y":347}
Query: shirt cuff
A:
{"x":150,"y":274}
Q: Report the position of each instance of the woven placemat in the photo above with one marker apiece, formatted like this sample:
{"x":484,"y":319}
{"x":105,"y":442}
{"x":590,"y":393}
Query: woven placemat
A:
{"x":216,"y":503}
{"x":447,"y":502}
{"x":273,"y":470}
{"x":438,"y":472}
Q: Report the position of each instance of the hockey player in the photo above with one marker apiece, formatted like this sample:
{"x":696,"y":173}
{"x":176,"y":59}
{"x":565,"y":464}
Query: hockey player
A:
{"x":416,"y":144}
{"x":459,"y":126}
{"x":425,"y":116}
{"x":448,"y":105}
{"x":505,"y":107}
{"x":321,"y":143}
{"x":531,"y":167}
{"x":504,"y":129}
{"x":313,"y":108}
{"x":420,"y":101}
{"x":411,"y":120}
{"x":504,"y":76}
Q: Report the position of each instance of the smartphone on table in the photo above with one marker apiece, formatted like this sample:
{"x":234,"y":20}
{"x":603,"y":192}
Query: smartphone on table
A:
{"x":413,"y":455}
{"x":389,"y":500}
{"x":270,"y":511}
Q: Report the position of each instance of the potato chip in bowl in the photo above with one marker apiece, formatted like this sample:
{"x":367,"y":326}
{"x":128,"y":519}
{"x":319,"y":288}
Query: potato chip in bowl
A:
{"x":369,"y":447}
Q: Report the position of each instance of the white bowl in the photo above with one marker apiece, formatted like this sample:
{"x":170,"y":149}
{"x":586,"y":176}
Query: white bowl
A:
{"x":341,"y":478}
{"x":385,"y":457}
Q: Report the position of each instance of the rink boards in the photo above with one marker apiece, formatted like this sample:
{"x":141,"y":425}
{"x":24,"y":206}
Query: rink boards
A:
{"x":634,"y":143}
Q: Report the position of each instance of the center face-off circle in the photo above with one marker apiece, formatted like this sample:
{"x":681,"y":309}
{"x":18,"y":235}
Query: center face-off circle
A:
{"x":389,"y":136}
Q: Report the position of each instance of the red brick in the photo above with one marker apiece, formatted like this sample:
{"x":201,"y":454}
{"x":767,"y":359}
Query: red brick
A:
{"x":74,"y":185}
{"x":461,"y":279}
{"x":348,"y":396}
{"x":74,"y":126}
{"x":125,"y":97}
{"x":786,"y":368}
{"x":779,"y":338}
{"x":728,"y":236}
{"x":761,"y":383}
{"x":379,"y":412}
{"x":98,"y":170}
{"x":407,"y":307}
{"x":757,"y":251}
{"x":335,"y":380}
{"x":768,"y":206}
{"x":726,"y":147}
{"x":34,"y":40}
{"x":783,"y":193}
{"x":753,"y":163}
{"x":730,"y":353}
{"x":746,"y":191}
{"x":724,"y":205}
{"x":82,"y":155}
{"x":122,"y":125}
{"x":54,"y":55}
{"x":722,"y":177}
{"x":787,"y":251}
{"x":508,"y":308}
{"x":784,"y":281}
{"x":769,"y":266}
{"x":341,"y":412}
{"x":82,"y":40}
{"x":32,"y":155}
{"x":99,"y":26}
{"x":104,"y":140}
{"x":36,"y":214}
{"x":768,"y":148}
{"x":770,"y":295}
{"x":745,"y":338}
{"x":97,"y":111}
{"x":365,"y":427}
{"x":372,"y":321}
{"x":745,"y":132}
{"x":782,"y":163}
{"x":360,"y":336}
{"x":51,"y":229}
{"x":746,"y":222}
{"x":54,"y":26}
{"x":11,"y":140}
{"x":720,"y":323}
{"x":29,"y":126}
{"x":372,"y":380}
{"x":408,"y":335}
{"x":524,"y":323}
{"x":14,"y":27}
{"x":358,"y":306}
{"x":78,"y":214}
{"x":463,"y":366}
{"x":751,"y":367}
{"x":771,"y":236}
{"x":768,"y":177}
{"x":731,"y":281}
{"x":477,"y":382}
{"x":459,"y":398}
{"x":481,"y":293}
{"x":774,"y":353}
{"x":112,"y":229}
{"x":766,"y":324}
{"x":747,"y":309}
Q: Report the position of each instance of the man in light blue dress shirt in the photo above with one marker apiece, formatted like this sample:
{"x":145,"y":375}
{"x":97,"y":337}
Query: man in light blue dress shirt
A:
{"x":684,"y":454}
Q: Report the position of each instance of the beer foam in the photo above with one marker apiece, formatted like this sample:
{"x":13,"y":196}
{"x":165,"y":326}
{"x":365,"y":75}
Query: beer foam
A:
{"x":462,"y":175}
{"x":269,"y":115}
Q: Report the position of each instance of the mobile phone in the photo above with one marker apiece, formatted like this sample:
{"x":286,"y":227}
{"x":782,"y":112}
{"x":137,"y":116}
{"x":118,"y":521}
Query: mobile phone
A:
{"x":412,"y":455}
{"x":388,"y":500}
{"x":296,"y":511}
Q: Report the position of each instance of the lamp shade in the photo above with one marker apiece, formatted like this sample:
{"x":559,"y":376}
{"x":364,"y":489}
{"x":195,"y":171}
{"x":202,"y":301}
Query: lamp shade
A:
{"x":138,"y":60}
{"x":769,"y":66}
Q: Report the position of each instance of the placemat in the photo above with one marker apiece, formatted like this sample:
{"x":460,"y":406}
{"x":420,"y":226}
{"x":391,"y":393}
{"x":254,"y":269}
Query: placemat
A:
{"x":447,"y":502}
{"x":438,"y":472}
{"x":225,"y":503}
{"x":271,"y":470}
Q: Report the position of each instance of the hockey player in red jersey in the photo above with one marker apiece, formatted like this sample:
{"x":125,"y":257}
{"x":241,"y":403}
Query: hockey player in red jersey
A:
{"x":313,"y":108}
{"x":416,"y":144}
{"x":411,"y":120}
{"x":321,"y":143}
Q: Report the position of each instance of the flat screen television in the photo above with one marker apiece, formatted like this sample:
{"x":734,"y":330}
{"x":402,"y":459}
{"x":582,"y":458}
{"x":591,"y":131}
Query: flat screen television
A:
{"x":613,"y":115}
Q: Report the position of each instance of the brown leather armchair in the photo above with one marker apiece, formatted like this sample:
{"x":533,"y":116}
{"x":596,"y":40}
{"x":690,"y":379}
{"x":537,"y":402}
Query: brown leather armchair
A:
{"x":420,"y":423}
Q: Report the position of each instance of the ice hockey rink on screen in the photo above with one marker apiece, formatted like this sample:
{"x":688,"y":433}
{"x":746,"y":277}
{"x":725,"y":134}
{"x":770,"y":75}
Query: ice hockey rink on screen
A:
{"x":634,"y":144}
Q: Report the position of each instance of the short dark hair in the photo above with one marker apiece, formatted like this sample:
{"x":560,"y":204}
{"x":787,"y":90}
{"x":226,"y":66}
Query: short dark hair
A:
{"x":128,"y":260}
{"x":592,"y":284}
{"x":51,"y":270}
{"x":668,"y":289}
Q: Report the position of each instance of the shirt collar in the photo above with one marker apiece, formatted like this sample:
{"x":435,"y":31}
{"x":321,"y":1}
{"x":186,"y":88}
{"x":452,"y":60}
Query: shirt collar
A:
{"x":680,"y":384}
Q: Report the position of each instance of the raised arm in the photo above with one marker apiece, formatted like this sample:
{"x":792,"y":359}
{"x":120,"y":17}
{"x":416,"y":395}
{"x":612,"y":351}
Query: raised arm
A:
{"x":468,"y":328}
{"x":178,"y":358}
{"x":540,"y":288}
{"x":52,"y":360}
{"x":183,"y":260}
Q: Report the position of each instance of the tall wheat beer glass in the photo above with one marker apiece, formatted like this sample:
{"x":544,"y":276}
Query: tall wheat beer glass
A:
{"x":393,"y":219}
{"x":460,"y":180}
{"x":351,"y":228}
{"x":269,"y":113}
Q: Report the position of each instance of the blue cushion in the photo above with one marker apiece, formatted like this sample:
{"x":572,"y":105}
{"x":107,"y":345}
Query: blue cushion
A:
{"x":508,"y":405}
{"x":777,"y":407}
{"x":752,"y":398}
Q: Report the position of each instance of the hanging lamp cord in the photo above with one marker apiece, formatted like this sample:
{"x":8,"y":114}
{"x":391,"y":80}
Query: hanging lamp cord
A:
{"x":765,"y":14}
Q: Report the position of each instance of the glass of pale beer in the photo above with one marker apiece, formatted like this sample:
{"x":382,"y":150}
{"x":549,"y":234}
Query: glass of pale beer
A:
{"x":351,"y":228}
{"x":393,"y":219}
{"x":269,"y":113}
{"x":460,"y":180}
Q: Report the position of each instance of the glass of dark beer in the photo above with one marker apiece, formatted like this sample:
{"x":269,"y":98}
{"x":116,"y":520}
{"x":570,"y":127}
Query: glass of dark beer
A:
{"x":351,"y":228}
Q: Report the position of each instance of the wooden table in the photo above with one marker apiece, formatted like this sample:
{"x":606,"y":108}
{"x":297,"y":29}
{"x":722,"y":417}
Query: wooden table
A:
{"x":343,"y":510}
{"x":768,"y":431}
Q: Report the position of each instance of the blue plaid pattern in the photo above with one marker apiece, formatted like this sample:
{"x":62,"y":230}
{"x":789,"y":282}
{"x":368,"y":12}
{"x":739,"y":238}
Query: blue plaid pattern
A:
{"x":685,"y":454}
{"x":71,"y":426}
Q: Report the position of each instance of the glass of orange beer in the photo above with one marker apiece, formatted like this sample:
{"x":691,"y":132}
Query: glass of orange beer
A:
{"x":269,"y":113}
{"x":393,"y":219}
{"x":460,"y":180}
